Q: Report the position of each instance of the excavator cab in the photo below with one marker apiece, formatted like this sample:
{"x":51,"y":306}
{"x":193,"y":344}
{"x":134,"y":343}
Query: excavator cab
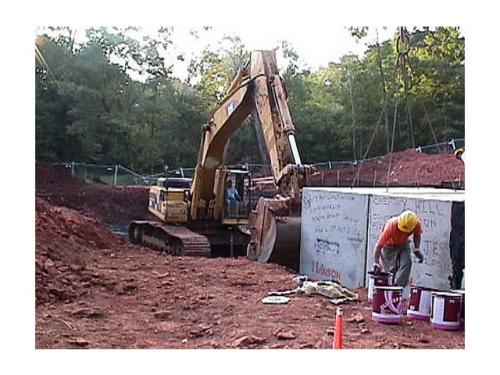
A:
{"x":237,"y":199}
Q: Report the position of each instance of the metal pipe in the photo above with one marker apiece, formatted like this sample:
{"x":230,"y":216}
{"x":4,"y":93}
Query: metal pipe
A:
{"x":116,"y":174}
{"x":231,"y":243}
{"x":295,"y":150}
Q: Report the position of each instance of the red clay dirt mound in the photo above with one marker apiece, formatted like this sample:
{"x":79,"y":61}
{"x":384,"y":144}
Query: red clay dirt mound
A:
{"x":111,"y":204}
{"x":47,"y":174}
{"x":408,"y":168}
{"x":66,"y":242}
{"x":95,"y":291}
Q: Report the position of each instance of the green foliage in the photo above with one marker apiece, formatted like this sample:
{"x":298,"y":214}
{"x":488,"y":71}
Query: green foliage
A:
{"x":113,"y":99}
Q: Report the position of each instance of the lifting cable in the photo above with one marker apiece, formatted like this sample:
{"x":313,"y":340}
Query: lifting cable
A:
{"x":356,"y":178}
{"x":402,"y":48}
{"x":392,"y":144}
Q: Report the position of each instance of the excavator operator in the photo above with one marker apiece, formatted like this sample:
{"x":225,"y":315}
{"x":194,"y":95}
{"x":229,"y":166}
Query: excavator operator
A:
{"x":233,"y":199}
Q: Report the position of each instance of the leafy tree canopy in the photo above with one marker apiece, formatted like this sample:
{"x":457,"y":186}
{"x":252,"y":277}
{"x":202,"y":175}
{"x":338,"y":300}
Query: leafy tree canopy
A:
{"x":114,"y":99}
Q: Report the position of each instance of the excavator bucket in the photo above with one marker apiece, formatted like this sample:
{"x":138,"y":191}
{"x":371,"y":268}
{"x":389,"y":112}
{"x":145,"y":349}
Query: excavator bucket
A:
{"x":275,"y":232}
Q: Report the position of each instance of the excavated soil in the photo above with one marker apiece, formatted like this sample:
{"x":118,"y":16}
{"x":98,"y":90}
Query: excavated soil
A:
{"x":408,"y":168}
{"x":109,"y":204}
{"x":94,"y":290}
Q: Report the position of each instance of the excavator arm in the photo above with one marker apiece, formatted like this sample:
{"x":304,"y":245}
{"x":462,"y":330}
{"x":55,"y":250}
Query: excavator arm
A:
{"x":257,"y":89}
{"x":225,"y":120}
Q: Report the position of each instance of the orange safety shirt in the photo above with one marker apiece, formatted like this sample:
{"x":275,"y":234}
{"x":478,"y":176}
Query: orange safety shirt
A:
{"x":392,"y":236}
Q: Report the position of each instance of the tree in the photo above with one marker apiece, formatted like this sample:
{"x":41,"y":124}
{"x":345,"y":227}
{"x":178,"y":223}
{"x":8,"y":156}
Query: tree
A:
{"x":112,"y":98}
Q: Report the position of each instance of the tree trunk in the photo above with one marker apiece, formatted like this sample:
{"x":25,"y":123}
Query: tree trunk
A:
{"x":384,"y":91}
{"x":410,"y":123}
{"x":426,"y":117}
{"x":353,"y":124}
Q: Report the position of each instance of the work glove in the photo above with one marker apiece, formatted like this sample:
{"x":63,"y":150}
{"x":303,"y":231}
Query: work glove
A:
{"x":377,"y":269}
{"x":419,"y":255}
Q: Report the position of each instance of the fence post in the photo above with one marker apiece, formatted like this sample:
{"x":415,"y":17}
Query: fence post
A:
{"x":116,"y":174}
{"x":330,"y":164}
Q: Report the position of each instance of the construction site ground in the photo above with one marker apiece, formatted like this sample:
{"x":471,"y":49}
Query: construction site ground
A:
{"x":404,"y":168}
{"x":95,"y":290}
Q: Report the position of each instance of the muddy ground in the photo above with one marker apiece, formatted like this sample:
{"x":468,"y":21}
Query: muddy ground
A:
{"x":94,"y":290}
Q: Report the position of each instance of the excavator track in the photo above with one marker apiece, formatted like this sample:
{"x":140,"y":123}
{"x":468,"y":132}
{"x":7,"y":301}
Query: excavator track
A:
{"x":171,"y":239}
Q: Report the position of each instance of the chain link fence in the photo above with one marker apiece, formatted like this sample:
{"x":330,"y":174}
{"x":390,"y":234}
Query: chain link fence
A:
{"x":116,"y":174}
{"x":437,"y":148}
{"x":442,"y":147}
{"x":120,"y":175}
{"x":108,"y":174}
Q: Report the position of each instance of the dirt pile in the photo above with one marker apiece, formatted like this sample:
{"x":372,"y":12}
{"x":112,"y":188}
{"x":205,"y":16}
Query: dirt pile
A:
{"x":66,"y":243}
{"x":111,"y":204}
{"x":408,"y":168}
{"x":95,"y":291}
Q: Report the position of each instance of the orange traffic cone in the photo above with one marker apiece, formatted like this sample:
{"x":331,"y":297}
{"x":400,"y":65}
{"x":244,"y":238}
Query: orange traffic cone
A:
{"x":339,"y":320}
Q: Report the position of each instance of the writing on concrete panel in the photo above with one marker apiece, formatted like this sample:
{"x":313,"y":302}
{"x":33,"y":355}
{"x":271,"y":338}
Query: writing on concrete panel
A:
{"x":435,"y":217}
{"x":333,"y":240}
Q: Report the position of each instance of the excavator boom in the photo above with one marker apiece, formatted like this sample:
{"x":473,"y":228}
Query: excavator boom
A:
{"x":257,"y":89}
{"x":275,"y":224}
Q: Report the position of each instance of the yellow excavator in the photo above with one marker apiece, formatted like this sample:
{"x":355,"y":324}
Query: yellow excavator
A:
{"x":209,"y":218}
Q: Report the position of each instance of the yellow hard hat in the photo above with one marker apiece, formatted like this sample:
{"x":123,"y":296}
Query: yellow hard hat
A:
{"x":407,"y":221}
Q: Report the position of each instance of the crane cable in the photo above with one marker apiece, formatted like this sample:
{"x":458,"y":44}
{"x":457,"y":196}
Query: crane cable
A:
{"x":403,"y":49}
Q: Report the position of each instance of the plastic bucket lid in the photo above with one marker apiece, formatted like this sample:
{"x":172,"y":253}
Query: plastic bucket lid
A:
{"x":381,"y":274}
{"x":447,"y":294}
{"x":393,"y":288}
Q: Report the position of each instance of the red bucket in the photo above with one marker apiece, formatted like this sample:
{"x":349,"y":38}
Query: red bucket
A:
{"x":381,"y":279}
{"x":388,"y":304}
{"x":420,"y":303}
{"x":446,"y":310}
{"x":462,"y":310}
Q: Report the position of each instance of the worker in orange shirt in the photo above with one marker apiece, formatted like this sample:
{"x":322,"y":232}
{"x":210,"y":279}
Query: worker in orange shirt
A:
{"x":393,"y":247}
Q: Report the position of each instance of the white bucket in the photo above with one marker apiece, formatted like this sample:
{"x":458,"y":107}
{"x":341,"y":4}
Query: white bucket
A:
{"x":420,"y":303}
{"x":462,"y":309}
{"x":446,"y":309}
{"x":387,"y":304}
{"x":384,"y":279}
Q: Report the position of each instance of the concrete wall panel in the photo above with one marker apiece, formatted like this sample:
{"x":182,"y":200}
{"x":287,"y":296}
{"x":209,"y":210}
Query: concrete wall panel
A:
{"x":333,"y":236}
{"x":435,"y":216}
{"x":340,"y":227}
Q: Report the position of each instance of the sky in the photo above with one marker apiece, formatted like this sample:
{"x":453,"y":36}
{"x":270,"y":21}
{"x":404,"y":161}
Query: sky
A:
{"x":335,"y":40}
